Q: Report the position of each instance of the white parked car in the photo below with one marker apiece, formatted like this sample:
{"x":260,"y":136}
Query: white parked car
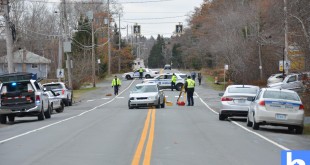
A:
{"x":275,"y":78}
{"x":55,"y":102}
{"x":147,"y":73}
{"x":65,"y":93}
{"x":278,"y":107}
{"x":234,"y":101}
{"x":164,"y":80}
{"x":291,"y":81}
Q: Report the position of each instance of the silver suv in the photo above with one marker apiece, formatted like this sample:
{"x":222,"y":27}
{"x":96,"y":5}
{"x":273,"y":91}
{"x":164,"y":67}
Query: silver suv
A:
{"x":22,"y":95}
{"x":65,"y":93}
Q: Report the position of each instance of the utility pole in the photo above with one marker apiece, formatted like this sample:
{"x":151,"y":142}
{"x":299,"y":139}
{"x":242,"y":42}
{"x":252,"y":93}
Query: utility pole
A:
{"x":93,"y":53}
{"x":109,"y":42}
{"x":60,"y":45}
{"x":67,"y":38}
{"x":119,"y":43}
{"x":9,"y":36}
{"x":285,"y":37}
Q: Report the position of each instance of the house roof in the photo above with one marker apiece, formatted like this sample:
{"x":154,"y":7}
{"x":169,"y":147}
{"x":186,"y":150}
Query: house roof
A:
{"x":29,"y":58}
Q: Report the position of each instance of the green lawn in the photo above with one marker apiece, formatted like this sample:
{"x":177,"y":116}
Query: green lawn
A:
{"x":210,"y":81}
{"x":307,"y":129}
{"x":79,"y":92}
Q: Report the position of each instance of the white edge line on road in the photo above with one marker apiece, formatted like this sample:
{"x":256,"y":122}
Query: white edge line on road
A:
{"x":255,"y":133}
{"x":44,"y":127}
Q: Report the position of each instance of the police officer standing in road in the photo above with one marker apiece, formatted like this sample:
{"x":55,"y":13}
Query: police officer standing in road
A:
{"x":173,"y":81}
{"x":140,"y":73}
{"x":116,"y":83}
{"x":190,"y":88}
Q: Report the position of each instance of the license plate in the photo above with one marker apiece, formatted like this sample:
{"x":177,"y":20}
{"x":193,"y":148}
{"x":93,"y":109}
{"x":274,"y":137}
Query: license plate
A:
{"x":280,"y":117}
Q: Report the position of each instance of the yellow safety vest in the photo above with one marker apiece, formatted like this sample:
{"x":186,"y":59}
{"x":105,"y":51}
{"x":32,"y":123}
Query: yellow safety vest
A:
{"x":116,"y":82}
{"x":190,"y":83}
{"x":174,"y":78}
{"x":140,"y":70}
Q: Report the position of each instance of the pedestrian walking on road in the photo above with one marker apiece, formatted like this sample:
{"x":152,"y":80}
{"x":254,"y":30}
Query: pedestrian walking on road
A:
{"x":116,"y":84}
{"x":193,"y":74}
{"x":190,"y":88}
{"x":173,"y":81}
{"x":199,"y":78}
{"x":140,"y":73}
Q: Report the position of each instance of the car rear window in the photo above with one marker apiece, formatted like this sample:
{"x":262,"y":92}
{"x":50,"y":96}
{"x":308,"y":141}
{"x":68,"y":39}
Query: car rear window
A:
{"x":52,"y":86}
{"x":242,"y":90}
{"x":281,"y":95}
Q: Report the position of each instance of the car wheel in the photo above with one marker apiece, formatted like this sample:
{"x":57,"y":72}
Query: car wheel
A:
{"x":299,"y":130}
{"x":222,"y":117}
{"x":3,"y":119}
{"x":255,"y":125}
{"x":128,"y":77}
{"x":67,"y":101}
{"x":129,"y":106}
{"x":41,"y":114}
{"x":11,"y":118}
{"x":147,"y":76}
{"x":179,"y":86}
{"x":62,"y":107}
{"x":70,"y":102}
{"x":291,"y":129}
{"x":163,"y":104}
{"x":47,"y":113}
{"x":248,"y":122}
{"x":158,"y":104}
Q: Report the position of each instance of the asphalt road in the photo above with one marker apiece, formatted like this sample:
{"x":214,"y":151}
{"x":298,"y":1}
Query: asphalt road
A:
{"x":100,"y":129}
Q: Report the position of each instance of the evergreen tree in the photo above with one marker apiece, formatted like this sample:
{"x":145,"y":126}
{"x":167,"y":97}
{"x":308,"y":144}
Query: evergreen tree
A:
{"x":156,"y":58}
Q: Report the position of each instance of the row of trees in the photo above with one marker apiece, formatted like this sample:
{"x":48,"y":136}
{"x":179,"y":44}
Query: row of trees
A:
{"x":39,"y":28}
{"x":242,"y":34}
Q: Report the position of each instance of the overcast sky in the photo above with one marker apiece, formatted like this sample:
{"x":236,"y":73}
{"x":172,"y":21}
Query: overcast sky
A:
{"x":156,"y":16}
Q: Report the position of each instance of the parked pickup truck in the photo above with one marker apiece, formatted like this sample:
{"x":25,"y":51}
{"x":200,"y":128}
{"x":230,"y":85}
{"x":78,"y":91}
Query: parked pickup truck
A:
{"x":22,"y":95}
{"x":291,"y":81}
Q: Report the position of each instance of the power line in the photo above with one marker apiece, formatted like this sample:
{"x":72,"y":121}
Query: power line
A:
{"x":153,"y":22}
{"x":150,"y":1}
{"x":155,"y":18}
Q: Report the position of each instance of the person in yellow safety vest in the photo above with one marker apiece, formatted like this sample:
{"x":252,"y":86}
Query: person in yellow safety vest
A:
{"x":173,"y":81}
{"x":141,"y":73}
{"x":189,"y":89}
{"x":116,"y":83}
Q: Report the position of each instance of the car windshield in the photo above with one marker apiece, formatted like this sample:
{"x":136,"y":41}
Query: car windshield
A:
{"x":52,"y":86}
{"x":144,"y":89}
{"x":183,"y":76}
{"x":242,"y":90}
{"x":281,"y":95}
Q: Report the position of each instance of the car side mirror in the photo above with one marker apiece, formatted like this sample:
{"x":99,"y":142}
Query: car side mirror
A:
{"x":221,"y":94}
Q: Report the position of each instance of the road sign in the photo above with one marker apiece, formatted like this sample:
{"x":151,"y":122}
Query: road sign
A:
{"x":136,"y":29}
{"x":226,"y":67}
{"x":67,"y":46}
{"x":179,"y":29}
{"x":60,"y":73}
{"x":286,"y":66}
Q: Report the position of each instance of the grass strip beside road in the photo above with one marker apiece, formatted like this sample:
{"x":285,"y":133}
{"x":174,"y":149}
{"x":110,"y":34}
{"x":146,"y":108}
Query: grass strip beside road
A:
{"x":306,"y":129}
{"x":210,"y":81}
{"x":78,"y":93}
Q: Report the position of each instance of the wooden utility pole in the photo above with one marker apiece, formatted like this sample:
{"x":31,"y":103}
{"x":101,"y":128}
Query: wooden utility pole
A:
{"x":9,"y":36}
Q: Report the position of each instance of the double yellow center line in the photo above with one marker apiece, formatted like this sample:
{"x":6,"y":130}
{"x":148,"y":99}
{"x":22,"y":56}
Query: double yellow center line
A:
{"x":147,"y":134}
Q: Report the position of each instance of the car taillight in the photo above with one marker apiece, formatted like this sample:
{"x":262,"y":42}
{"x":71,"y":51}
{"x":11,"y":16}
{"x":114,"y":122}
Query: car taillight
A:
{"x":262,"y":103}
{"x":301,"y":107}
{"x":227,"y":99}
{"x":63,"y":92}
{"x":37,"y":97}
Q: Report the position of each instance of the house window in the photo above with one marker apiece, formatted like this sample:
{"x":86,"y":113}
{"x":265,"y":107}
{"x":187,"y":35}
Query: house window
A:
{"x":34,"y":66}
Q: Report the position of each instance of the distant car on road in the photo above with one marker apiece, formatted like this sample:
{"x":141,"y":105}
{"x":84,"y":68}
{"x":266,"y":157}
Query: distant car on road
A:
{"x":291,"y":82}
{"x":234,"y":101}
{"x":167,"y":67}
{"x":278,"y":107}
{"x":275,"y":78}
{"x":145,"y":95}
{"x":147,"y":73}
{"x":65,"y":93}
{"x":164,"y":80}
